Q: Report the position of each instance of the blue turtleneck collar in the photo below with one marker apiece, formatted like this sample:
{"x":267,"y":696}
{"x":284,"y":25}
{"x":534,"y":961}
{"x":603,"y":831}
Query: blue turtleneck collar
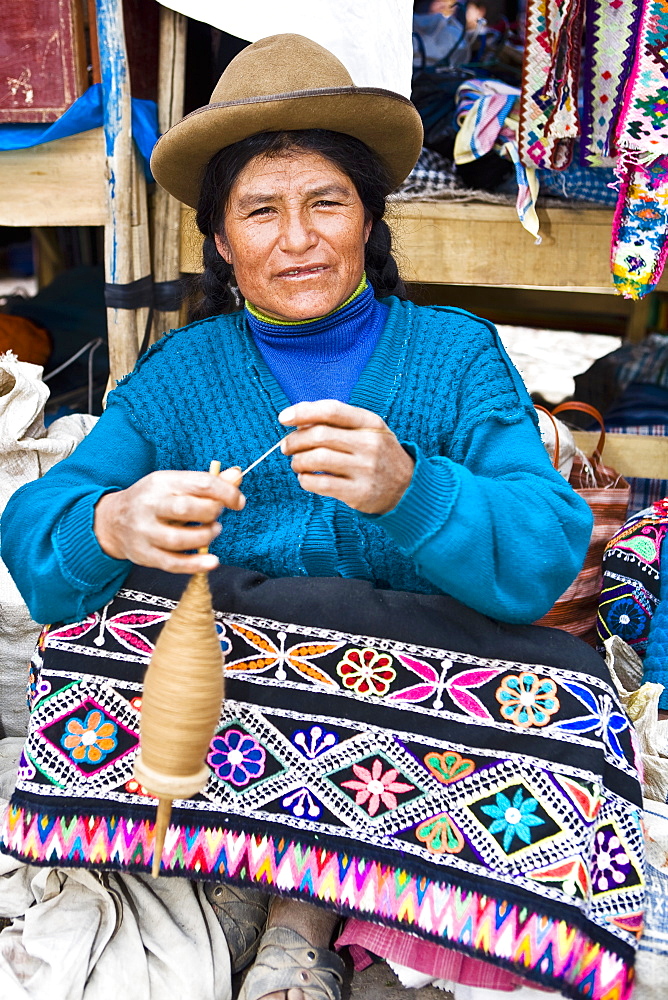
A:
{"x":321,"y":358}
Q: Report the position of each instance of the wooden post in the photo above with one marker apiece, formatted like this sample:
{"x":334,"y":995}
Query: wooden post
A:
{"x":166,"y":209}
{"x":121,"y":323}
{"x":141,"y":240}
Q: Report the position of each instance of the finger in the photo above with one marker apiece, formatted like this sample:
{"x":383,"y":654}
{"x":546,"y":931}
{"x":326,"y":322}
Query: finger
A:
{"x":324,"y":461}
{"x":171,"y":538}
{"x":188,"y":508}
{"x":331,"y":412}
{"x":337,"y":487}
{"x":321,"y":436}
{"x":173,"y":562}
{"x":232,"y":475}
{"x":202,"y":484}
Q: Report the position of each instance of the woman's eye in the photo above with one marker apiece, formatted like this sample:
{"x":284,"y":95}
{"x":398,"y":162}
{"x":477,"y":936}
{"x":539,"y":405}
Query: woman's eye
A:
{"x":261,"y":211}
{"x":323,"y":201}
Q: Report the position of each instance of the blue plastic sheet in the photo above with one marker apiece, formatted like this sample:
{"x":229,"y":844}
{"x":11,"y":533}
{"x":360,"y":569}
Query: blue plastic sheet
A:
{"x":84,"y":114}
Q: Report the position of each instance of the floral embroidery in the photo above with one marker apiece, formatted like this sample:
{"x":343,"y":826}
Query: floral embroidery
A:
{"x":37,"y":687}
{"x":527,"y":700}
{"x":26,"y":769}
{"x":440,"y":835}
{"x":237,"y":757}
{"x":91,"y":741}
{"x":314,"y":741}
{"x":513,"y":819}
{"x":225,"y":644}
{"x":604,"y":719}
{"x":302,"y":803}
{"x":135,"y":788}
{"x":626,"y":618}
{"x":367,"y":671}
{"x":299,"y":657}
{"x":448,"y":767}
{"x":611,"y":863}
{"x":375,"y":787}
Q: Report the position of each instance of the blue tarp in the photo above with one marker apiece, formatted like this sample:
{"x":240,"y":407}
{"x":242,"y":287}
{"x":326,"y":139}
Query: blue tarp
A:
{"x":84,"y":114}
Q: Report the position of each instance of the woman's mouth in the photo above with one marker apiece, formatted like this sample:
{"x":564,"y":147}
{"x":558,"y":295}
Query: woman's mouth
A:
{"x":303,"y":272}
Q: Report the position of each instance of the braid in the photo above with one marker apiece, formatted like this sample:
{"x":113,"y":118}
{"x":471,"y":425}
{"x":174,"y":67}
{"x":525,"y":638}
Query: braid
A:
{"x":381,"y":267}
{"x":215,"y":286}
{"x":215,"y":290}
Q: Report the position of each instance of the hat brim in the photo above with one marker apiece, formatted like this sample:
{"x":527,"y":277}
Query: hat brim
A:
{"x":388,"y":123}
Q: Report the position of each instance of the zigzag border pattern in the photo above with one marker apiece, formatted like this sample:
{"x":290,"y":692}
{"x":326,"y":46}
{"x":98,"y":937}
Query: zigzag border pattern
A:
{"x":543,"y":949}
{"x":609,"y":53}
{"x":549,"y":119}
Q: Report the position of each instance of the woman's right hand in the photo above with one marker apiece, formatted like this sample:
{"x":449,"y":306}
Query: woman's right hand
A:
{"x":151,"y":522}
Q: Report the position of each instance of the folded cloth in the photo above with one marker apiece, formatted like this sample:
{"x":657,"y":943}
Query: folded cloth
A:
{"x":397,"y":757}
{"x":81,"y":935}
{"x":487,"y":112}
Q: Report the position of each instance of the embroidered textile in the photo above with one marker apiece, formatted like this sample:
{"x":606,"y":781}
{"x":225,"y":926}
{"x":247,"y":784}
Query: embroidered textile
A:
{"x":611,"y":31}
{"x":549,"y":118}
{"x":632,"y":579}
{"x":640,"y":227}
{"x":484,"y":798}
{"x":642,"y":128}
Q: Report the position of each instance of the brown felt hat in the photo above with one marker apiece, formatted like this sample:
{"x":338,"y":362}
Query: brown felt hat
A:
{"x":286,"y":82}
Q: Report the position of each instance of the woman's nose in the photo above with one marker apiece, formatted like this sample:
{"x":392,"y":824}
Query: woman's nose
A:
{"x":297,"y":235}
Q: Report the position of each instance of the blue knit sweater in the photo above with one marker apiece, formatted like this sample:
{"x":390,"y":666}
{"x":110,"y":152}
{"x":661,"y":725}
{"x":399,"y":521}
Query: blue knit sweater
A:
{"x":485,"y":518}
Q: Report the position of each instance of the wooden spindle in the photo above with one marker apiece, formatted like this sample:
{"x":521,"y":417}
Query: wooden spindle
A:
{"x":183,"y":692}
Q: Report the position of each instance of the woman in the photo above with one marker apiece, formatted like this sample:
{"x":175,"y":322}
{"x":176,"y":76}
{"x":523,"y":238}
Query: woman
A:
{"x":414,"y":466}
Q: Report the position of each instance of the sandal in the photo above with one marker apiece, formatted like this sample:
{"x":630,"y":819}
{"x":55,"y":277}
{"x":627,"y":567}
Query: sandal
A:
{"x":242,"y":914}
{"x":285,"y":960}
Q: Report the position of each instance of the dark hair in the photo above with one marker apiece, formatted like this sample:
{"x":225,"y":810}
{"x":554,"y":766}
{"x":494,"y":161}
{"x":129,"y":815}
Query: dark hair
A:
{"x":215,"y":288}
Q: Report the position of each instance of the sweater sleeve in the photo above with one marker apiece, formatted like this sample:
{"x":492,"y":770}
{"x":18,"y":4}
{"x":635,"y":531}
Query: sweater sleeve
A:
{"x":501,"y":530}
{"x":48,"y":542}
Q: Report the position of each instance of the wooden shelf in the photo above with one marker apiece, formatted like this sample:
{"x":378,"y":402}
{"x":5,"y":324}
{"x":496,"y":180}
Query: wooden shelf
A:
{"x":59,"y":183}
{"x":478,"y":244}
{"x":448,"y":243}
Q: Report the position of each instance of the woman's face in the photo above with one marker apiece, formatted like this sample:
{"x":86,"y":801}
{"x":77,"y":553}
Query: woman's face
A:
{"x":294,"y":234}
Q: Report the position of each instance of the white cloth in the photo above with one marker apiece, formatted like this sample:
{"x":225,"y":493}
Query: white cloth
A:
{"x":641,"y":704}
{"x":27,"y":450}
{"x":549,"y":428}
{"x":373,"y":39}
{"x":414,"y":980}
{"x":652,"y":957}
{"x":76,"y":936}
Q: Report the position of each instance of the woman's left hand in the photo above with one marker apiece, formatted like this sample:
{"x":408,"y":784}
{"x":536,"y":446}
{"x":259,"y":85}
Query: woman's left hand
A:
{"x":348,"y":453}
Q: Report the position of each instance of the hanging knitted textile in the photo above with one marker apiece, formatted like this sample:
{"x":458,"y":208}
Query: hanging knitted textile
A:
{"x":611,"y":31}
{"x":395,"y":756}
{"x":640,"y":229}
{"x":642,"y":129}
{"x":549,"y":117}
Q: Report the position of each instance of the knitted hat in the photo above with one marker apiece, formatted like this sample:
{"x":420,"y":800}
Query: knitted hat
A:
{"x":286,"y":82}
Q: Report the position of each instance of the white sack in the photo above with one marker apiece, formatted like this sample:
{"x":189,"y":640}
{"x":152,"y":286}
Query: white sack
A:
{"x":373,"y":40}
{"x":27,"y":450}
{"x":77,"y":935}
